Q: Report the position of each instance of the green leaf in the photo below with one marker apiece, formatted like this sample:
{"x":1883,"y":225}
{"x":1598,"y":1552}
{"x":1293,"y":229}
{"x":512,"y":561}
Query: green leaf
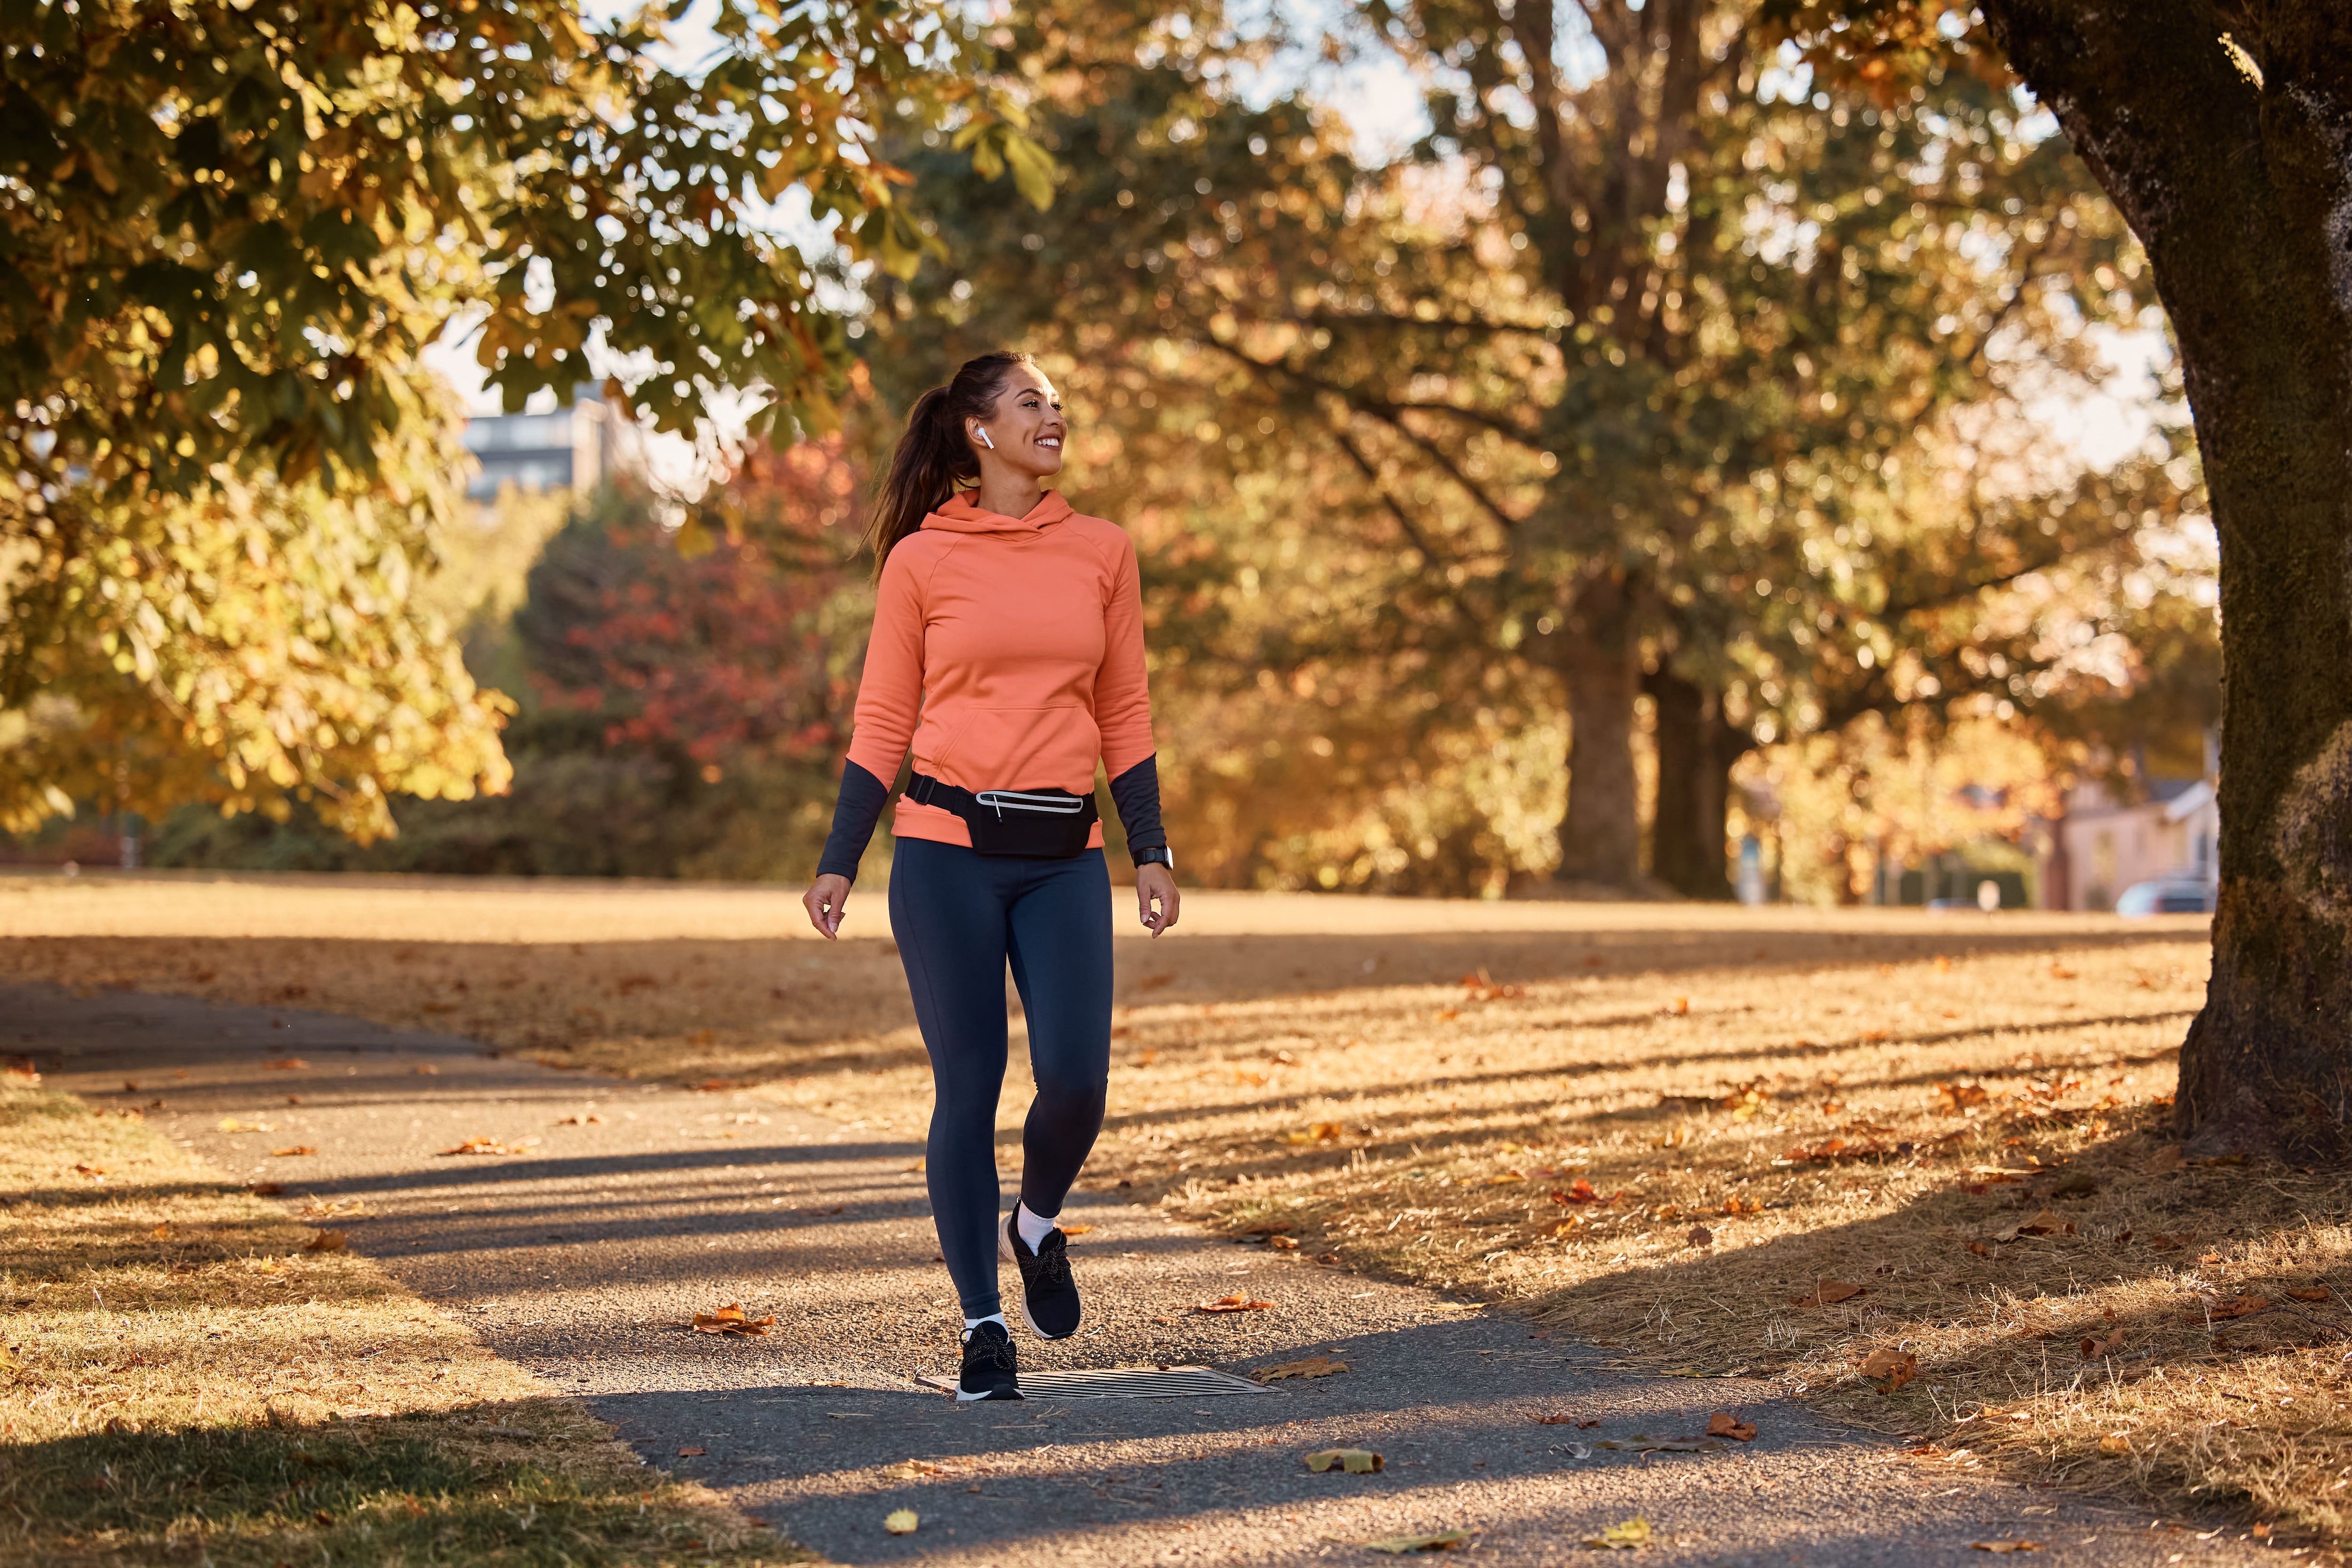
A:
{"x":1032,"y":168}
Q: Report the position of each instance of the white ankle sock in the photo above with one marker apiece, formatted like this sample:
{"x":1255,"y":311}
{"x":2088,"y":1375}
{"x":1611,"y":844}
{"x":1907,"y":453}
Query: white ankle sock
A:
{"x":997,"y":1318}
{"x":1034,"y":1229}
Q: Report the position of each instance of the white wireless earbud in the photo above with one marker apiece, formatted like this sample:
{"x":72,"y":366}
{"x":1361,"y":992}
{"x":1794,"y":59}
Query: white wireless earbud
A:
{"x":983,"y":438}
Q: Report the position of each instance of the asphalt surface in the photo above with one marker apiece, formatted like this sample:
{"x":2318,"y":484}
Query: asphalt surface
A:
{"x":582,"y":1256}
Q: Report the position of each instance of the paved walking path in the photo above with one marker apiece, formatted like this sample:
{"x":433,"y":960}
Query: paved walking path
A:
{"x":581,"y":1258}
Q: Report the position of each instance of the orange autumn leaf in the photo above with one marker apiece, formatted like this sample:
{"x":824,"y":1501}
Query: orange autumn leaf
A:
{"x":286,"y":1064}
{"x":2309,"y":1293}
{"x":1232,"y":1304}
{"x":732,"y":1319}
{"x":2237,"y":1306}
{"x":1723,"y":1423}
{"x":292,"y":1149}
{"x":326,"y":1241}
{"x":1889,"y":1369}
{"x":1313,"y":1367}
{"x":1827,"y":1293}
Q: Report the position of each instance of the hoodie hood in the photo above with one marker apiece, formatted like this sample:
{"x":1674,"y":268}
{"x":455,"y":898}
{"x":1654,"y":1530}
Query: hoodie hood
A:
{"x":961,"y":515}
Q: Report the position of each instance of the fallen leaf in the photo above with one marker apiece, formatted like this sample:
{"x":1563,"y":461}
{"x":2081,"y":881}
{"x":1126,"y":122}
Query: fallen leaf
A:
{"x":732,"y":1319}
{"x":1313,"y":1367}
{"x":2171,"y":1243}
{"x":2007,"y":1545}
{"x":915,"y":1470}
{"x":231,"y":1124}
{"x":2309,"y":1293}
{"x":1319,"y":1132}
{"x":1078,"y":1230}
{"x":2237,"y":1306}
{"x":1282,"y":1244}
{"x":2114,"y":1443}
{"x":1354,"y":1461}
{"x":292,"y":1149}
{"x":1956,"y":1097}
{"x":2044,"y":1224}
{"x":1399,"y":1545}
{"x":267,"y":1189}
{"x":1722,"y":1424}
{"x":1581,"y":1192}
{"x":286,"y":1064}
{"x":1980,"y":1249}
{"x":588,"y":1121}
{"x":1701,"y":1236}
{"x":1629,"y":1536}
{"x":692,"y":1453}
{"x":2094,"y":1348}
{"x":902,"y":1522}
{"x":425,"y":1070}
{"x":163,"y":1232}
{"x":1889,"y":1369}
{"x":490,"y":1146}
{"x":2168,"y":1158}
{"x":326,"y":1241}
{"x":1232,"y":1304}
{"x":1827,"y":1293}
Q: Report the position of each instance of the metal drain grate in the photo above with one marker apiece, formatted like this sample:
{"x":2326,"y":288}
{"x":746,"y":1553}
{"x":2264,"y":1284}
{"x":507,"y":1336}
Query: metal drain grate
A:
{"x":1124,"y":1383}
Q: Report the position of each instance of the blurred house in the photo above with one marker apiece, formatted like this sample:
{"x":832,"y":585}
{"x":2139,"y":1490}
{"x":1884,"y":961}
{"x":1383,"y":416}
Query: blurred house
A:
{"x":568,"y":449}
{"x":2102,"y":845}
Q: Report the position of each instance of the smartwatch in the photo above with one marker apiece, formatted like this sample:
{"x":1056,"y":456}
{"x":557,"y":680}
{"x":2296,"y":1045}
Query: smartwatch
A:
{"x":1163,"y":856}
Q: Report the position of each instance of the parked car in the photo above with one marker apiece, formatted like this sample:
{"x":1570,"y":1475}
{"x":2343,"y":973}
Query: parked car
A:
{"x":2166,"y":895}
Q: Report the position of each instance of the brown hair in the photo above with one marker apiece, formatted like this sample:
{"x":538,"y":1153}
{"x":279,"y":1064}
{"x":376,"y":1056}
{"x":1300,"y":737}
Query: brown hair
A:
{"x":934,"y":455}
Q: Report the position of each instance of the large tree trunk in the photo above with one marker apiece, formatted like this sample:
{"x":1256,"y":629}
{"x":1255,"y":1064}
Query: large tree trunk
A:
{"x":2241,"y":191}
{"x":1600,"y":666}
{"x":1689,"y":846}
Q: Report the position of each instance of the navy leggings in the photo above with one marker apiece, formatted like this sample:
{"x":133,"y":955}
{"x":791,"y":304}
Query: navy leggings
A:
{"x":959,"y":917}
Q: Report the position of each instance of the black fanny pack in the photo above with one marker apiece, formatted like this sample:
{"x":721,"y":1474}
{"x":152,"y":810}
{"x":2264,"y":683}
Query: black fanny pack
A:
{"x":1048,"y":824}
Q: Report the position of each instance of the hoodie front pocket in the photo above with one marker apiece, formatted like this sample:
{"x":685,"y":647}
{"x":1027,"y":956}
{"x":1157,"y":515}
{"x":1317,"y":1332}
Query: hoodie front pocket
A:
{"x":1023,"y":747}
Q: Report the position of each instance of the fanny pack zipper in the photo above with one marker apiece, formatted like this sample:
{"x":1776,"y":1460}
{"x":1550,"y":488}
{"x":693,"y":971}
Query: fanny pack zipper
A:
{"x":1001,"y":800}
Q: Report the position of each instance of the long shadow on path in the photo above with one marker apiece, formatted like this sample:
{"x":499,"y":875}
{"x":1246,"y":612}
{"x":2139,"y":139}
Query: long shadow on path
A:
{"x":583,"y":1258}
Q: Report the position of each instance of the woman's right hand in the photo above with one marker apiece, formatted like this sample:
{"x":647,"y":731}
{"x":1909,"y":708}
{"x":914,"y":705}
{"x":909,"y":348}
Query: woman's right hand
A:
{"x":824,"y":901}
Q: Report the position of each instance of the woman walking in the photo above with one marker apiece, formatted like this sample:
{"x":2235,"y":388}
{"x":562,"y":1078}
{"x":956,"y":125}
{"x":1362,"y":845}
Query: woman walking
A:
{"x":1008,"y":651}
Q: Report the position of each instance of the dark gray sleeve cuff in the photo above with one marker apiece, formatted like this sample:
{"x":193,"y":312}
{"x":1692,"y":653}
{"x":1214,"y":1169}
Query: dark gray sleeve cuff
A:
{"x":855,"y":812}
{"x":1136,"y":793}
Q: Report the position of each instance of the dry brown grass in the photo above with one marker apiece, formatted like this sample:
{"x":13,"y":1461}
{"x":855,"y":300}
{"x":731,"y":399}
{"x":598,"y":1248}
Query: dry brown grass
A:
{"x":1336,"y":1066}
{"x":184,"y":1382}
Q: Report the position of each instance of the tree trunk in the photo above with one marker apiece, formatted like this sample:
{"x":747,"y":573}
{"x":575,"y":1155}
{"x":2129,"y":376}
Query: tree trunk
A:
{"x":1600,"y":666}
{"x":2241,"y":190}
{"x":1688,"y":851}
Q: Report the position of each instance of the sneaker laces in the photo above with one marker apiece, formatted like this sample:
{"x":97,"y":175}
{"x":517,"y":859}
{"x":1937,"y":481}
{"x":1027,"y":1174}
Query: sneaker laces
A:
{"x":1053,"y":1262}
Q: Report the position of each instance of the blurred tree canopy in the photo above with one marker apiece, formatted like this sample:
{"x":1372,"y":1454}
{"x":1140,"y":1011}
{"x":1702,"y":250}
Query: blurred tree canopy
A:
{"x":1641,"y":395}
{"x":228,"y":228}
{"x":676,"y":714}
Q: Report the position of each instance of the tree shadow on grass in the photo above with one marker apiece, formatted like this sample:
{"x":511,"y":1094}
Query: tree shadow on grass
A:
{"x":533,"y":1484}
{"x":2135,"y":1288}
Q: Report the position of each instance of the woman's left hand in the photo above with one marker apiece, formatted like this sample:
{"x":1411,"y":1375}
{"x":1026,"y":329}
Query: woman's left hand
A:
{"x":1155,"y":884}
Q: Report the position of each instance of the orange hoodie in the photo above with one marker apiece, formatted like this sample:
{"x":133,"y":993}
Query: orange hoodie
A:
{"x":1018,"y":642}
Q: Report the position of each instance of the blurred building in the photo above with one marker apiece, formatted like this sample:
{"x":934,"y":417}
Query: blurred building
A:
{"x":2103,"y":845}
{"x":569,"y":449}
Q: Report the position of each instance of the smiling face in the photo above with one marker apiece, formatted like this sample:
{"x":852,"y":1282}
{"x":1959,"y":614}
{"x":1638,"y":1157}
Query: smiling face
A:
{"x":1026,"y":426}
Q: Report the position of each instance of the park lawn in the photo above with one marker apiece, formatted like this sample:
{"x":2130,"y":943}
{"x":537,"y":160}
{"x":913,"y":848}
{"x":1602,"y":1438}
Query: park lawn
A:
{"x":185,"y":1380}
{"x":1544,"y":1106}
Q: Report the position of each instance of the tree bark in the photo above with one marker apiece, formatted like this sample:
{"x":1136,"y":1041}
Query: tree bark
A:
{"x":1601,"y":667}
{"x":1688,"y":851}
{"x":2241,"y":190}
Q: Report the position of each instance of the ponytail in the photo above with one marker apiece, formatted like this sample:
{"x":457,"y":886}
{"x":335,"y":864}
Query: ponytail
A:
{"x":934,"y":456}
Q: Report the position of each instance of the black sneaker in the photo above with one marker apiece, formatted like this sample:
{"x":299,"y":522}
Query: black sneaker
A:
{"x":989,"y":1371}
{"x":1049,"y":1297}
